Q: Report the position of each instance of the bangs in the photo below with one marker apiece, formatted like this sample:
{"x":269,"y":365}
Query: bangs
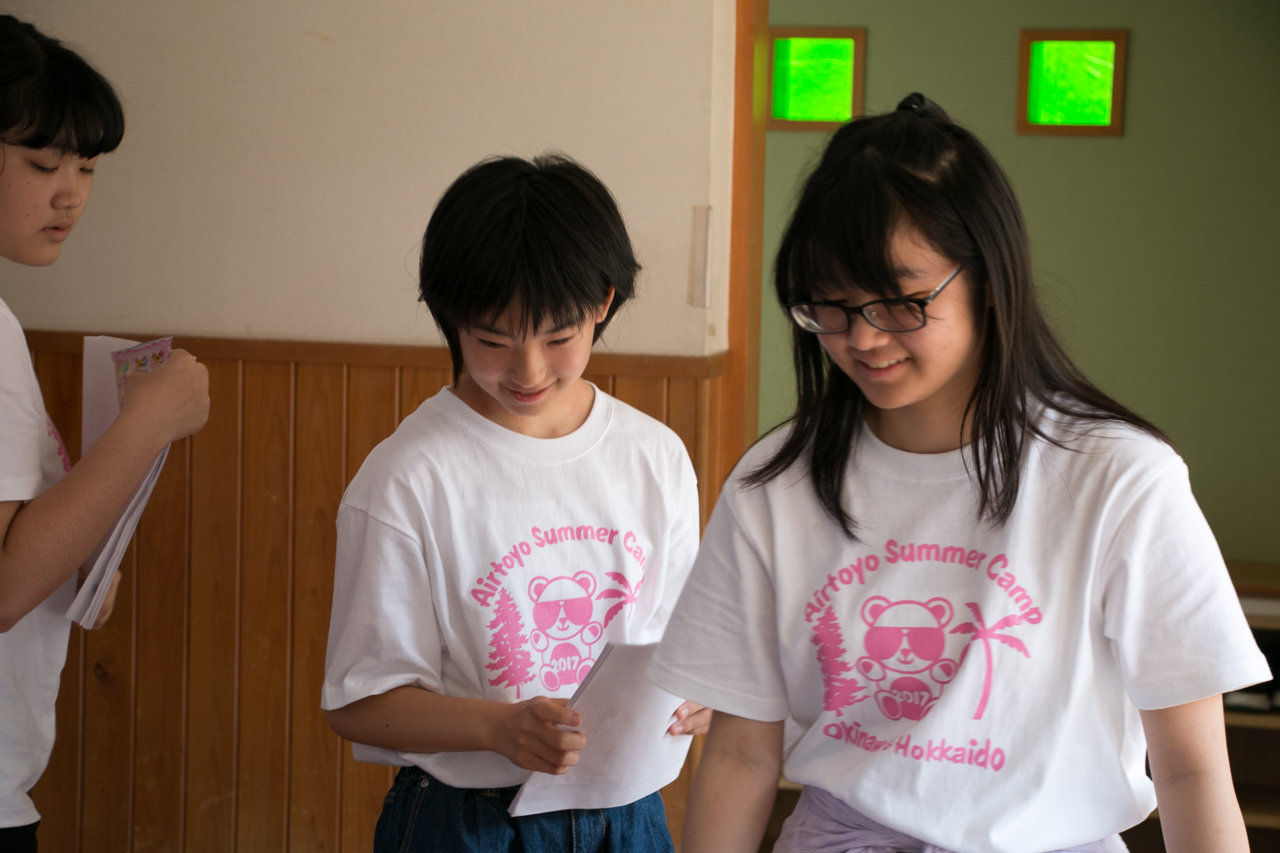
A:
{"x":542,"y":237}
{"x":66,"y":105}
{"x":841,"y":235}
{"x":843,"y":239}
{"x":525,"y":256}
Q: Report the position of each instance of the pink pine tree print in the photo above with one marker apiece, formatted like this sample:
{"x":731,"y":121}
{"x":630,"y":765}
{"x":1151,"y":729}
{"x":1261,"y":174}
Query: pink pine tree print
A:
{"x":978,"y":628}
{"x":627,"y":594}
{"x":508,"y":646}
{"x":838,"y":692}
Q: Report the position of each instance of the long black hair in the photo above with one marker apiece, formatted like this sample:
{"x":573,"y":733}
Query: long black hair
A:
{"x":545,"y":235}
{"x":51,"y":98}
{"x":915,"y":166}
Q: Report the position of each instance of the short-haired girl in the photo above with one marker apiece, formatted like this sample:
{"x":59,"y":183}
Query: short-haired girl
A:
{"x":512,"y":525}
{"x":963,"y":583}
{"x":56,"y":116}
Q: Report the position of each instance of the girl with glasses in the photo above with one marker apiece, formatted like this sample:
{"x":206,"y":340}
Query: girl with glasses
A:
{"x":57,"y":116}
{"x":963,"y":593}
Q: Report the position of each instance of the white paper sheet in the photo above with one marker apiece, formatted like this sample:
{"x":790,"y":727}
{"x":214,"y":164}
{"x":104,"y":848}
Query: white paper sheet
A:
{"x":629,"y":753}
{"x":99,"y":407}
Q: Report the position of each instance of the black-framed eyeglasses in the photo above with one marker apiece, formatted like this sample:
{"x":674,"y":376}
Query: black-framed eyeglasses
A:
{"x":900,"y":314}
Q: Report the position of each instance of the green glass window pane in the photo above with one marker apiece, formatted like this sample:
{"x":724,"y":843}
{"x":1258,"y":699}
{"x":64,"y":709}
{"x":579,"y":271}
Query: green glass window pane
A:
{"x":813,"y":79}
{"x":1071,"y":82}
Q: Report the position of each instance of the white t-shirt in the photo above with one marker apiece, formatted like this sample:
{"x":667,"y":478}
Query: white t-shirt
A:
{"x":974,"y":687}
{"x":32,"y":652}
{"x":477,"y":562}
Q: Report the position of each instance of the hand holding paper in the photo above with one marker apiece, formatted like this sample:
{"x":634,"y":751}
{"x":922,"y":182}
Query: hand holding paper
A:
{"x":629,"y":752}
{"x":541,"y":734}
{"x":174,"y":405}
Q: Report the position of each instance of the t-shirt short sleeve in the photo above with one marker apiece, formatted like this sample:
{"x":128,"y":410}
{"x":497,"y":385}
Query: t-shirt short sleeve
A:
{"x":382,"y":631}
{"x":22,"y":426}
{"x":683,"y":515}
{"x":721,"y":645}
{"x":1169,"y":607}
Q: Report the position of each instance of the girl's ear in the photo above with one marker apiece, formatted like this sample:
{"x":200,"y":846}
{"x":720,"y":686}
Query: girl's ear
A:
{"x":603,"y":310}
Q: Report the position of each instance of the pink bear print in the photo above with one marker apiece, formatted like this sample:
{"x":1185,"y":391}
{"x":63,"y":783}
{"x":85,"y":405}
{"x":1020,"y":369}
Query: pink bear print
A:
{"x":562,"y":611}
{"x":905,"y":642}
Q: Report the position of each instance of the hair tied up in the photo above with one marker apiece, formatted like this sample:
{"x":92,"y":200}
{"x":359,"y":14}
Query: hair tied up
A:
{"x":923,"y":107}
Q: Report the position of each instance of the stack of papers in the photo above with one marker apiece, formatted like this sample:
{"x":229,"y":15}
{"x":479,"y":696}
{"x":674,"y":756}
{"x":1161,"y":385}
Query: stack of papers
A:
{"x":629,"y":752}
{"x":107,"y":364}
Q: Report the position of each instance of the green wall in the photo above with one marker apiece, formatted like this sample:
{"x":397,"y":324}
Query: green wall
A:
{"x":1157,"y":253}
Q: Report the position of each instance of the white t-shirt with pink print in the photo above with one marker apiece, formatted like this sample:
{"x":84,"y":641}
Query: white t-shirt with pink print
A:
{"x":477,"y":562}
{"x":975,"y":687}
{"x":32,"y":652}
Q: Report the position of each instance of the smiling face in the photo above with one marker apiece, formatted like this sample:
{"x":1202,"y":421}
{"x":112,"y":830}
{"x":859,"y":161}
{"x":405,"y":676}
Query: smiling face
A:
{"x":528,"y":381}
{"x":916,"y":382}
{"x":43,"y":191}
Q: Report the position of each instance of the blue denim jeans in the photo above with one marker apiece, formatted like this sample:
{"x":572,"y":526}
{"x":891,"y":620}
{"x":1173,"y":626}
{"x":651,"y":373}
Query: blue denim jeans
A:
{"x":421,"y":814}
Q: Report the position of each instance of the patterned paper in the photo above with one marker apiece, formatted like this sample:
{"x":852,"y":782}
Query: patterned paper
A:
{"x":142,"y":357}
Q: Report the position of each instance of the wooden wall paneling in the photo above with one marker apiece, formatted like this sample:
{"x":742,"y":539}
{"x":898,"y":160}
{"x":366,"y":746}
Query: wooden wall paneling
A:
{"x":372,"y":409}
{"x":682,"y":413}
{"x":262,"y":785}
{"x":315,"y":757}
{"x":57,"y":794}
{"x":708,"y":459}
{"x":603,"y":381}
{"x":648,"y":394}
{"x":214,"y":609}
{"x":161,"y":620}
{"x":371,"y":412}
{"x":208,"y":711}
{"x":418,"y":384}
{"x":107,"y":809}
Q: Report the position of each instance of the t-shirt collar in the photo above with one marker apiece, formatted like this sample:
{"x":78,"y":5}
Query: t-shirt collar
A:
{"x":537,"y":450}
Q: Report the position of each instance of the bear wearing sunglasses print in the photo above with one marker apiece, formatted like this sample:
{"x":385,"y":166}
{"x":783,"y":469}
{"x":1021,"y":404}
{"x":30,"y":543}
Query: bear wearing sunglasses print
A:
{"x":905,"y":643}
{"x":564,"y":630}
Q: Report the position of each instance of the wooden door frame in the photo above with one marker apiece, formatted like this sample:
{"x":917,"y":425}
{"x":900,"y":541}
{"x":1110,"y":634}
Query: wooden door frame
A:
{"x":741,"y":399}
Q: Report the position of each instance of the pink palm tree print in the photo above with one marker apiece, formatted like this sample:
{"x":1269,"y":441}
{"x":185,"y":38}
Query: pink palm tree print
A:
{"x":978,"y":628}
{"x":627,"y":594}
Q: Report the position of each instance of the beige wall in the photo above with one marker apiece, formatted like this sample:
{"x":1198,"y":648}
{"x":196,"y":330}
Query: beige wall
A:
{"x":283,"y":156}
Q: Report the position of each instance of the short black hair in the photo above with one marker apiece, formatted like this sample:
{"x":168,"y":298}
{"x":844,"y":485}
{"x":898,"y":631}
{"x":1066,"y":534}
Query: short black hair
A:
{"x":544,"y":234}
{"x":51,"y":98}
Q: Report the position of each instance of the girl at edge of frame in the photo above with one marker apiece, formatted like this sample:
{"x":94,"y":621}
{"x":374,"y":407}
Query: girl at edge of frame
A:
{"x":461,"y":622}
{"x":962,"y":582}
{"x":57,"y":116}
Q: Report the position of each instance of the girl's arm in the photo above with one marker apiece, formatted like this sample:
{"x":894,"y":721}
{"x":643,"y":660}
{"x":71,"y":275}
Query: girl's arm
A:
{"x":44,"y":541}
{"x":734,"y":788}
{"x":411,"y":719}
{"x":1187,"y":748}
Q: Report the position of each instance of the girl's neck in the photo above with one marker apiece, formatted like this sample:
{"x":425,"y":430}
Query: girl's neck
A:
{"x":930,"y":426}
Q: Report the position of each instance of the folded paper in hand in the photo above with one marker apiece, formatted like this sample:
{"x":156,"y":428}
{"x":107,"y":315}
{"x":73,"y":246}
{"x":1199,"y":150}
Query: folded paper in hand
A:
{"x":629,"y":752}
{"x":108,"y":363}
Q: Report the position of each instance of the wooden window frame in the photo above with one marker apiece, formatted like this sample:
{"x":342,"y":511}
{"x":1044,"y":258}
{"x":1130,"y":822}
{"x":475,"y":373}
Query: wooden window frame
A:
{"x":1116,"y":127}
{"x":859,"y":36}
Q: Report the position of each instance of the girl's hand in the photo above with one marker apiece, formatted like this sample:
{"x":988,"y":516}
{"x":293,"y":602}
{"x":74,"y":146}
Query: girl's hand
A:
{"x":172,"y":400}
{"x":108,"y":604}
{"x":529,"y":737}
{"x":691,"y":719}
